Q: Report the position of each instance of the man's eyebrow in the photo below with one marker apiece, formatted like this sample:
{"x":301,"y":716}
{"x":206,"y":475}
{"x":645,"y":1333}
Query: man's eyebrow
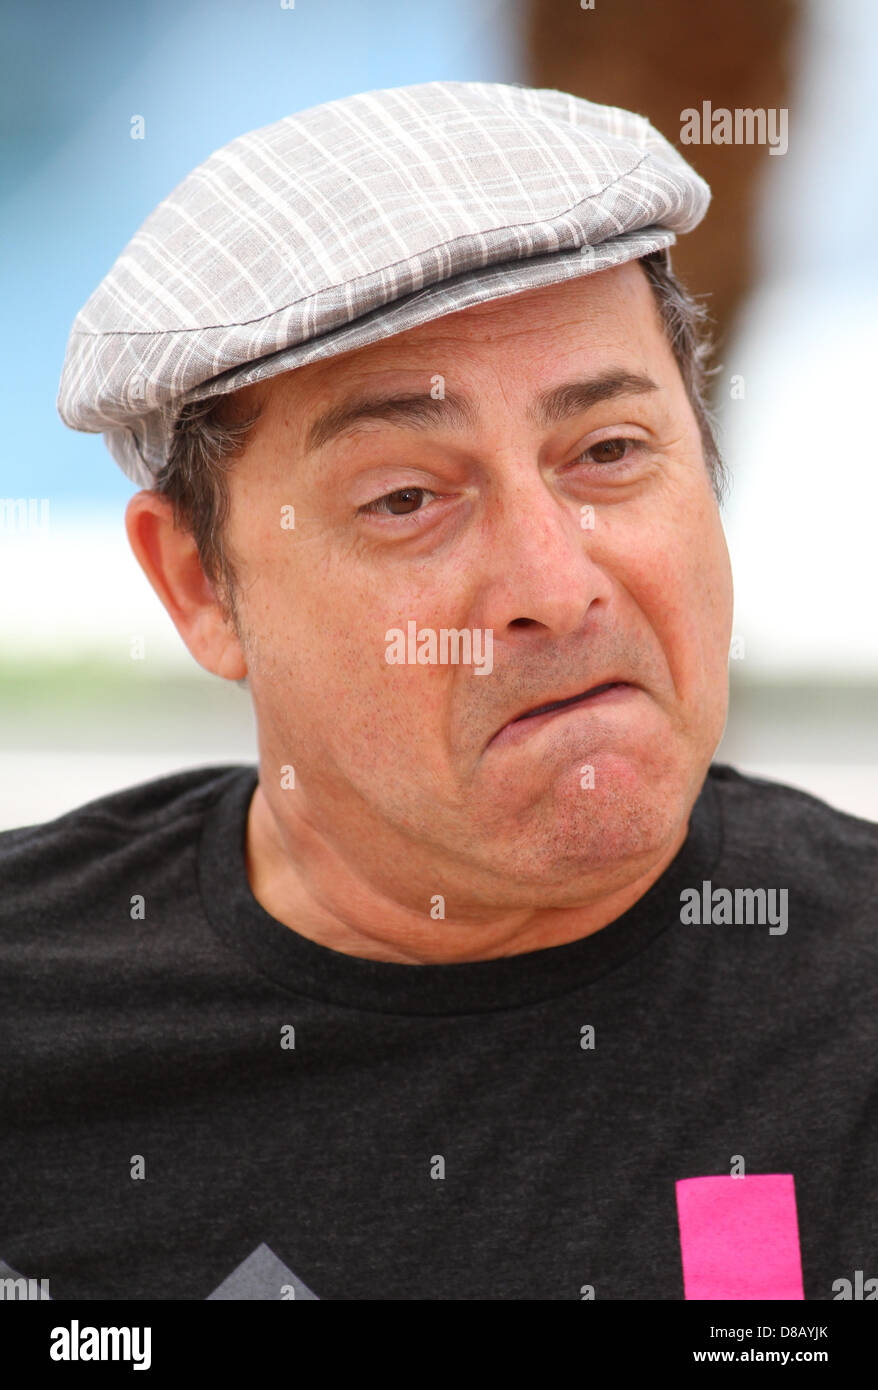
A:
{"x":412,"y":409}
{"x":573,"y":397}
{"x":454,"y":411}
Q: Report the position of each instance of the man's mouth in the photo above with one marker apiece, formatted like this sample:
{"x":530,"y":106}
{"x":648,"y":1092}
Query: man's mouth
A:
{"x":573,"y":700}
{"x":609,"y":690}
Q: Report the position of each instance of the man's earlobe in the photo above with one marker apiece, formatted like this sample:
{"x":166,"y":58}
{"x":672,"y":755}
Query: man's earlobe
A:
{"x":169,"y":558}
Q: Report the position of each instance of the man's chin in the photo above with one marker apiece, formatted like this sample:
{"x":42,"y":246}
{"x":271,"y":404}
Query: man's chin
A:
{"x":611,"y":813}
{"x":569,"y":771}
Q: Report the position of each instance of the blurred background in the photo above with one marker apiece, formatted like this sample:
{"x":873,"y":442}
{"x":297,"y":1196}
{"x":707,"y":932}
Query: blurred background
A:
{"x":97,"y":690}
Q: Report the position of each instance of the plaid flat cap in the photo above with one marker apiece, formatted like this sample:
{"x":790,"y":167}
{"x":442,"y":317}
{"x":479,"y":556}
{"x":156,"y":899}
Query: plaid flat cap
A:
{"x":352,"y":221}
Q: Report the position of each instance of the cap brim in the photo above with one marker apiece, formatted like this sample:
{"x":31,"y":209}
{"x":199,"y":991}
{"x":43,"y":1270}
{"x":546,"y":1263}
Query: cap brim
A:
{"x":437,"y":301}
{"x":449,"y":296}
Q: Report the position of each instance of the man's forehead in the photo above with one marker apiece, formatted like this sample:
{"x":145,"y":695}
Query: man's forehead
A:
{"x":573,"y":306}
{"x":573,"y":355}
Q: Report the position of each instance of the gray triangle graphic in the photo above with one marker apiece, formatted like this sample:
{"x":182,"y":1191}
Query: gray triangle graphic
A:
{"x":262,"y":1275}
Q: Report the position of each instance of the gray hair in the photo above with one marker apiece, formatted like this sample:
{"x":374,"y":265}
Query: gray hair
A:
{"x":209,"y":435}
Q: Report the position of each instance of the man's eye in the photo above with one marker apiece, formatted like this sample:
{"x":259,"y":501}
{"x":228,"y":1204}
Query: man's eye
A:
{"x":607,"y":451}
{"x":408,"y":498}
{"x":406,"y":501}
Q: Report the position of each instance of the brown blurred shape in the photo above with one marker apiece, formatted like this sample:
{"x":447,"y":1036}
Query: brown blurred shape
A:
{"x":658,"y":57}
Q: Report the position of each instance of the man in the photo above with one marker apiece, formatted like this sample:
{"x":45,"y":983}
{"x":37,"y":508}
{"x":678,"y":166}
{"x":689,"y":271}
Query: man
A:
{"x":487,"y":983}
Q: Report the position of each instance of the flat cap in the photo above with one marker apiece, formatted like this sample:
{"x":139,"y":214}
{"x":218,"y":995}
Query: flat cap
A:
{"x":352,"y":221}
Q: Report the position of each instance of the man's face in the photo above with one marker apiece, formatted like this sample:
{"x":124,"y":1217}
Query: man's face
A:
{"x":477,"y":517}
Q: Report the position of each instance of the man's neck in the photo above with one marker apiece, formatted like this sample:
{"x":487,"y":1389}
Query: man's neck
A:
{"x":301,"y":881}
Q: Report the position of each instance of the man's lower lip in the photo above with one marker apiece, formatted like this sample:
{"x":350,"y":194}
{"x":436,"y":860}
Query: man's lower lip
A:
{"x":520,"y":729}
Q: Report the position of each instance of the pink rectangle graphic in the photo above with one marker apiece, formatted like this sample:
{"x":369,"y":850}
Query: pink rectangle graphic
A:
{"x":739,"y":1237}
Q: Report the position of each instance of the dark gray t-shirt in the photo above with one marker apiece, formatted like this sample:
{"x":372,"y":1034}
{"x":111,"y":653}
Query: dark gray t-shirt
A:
{"x":199,"y":1101}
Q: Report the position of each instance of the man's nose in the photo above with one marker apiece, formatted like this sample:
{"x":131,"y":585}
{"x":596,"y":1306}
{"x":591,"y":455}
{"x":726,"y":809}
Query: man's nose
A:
{"x":538,"y":566}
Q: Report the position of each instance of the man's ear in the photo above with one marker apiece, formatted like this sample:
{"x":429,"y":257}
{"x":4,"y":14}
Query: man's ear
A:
{"x":169,"y":559}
